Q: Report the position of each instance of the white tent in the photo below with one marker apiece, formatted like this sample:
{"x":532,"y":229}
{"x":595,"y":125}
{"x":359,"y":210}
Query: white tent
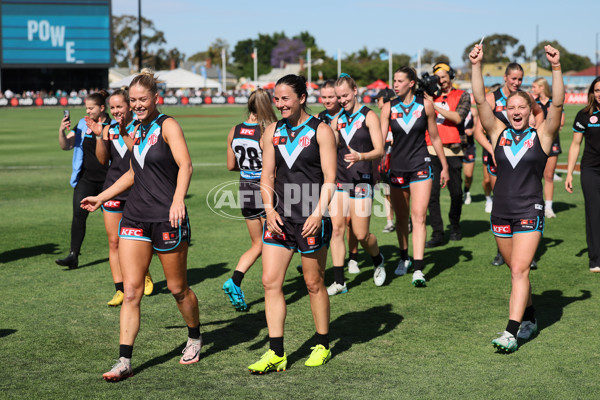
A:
{"x":175,"y":79}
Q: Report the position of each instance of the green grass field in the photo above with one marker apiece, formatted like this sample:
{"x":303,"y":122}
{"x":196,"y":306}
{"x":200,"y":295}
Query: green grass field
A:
{"x":57,"y":336}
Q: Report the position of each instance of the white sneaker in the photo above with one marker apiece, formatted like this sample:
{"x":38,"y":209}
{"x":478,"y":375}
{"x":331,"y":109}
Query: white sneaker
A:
{"x":557,"y":177}
{"x":379,"y":273}
{"x":506,"y":343}
{"x":390,"y":227}
{"x":549,"y":213}
{"x":402,"y":267}
{"x":488,"y":206}
{"x":336,"y":288}
{"x":418,"y":279}
{"x":527,"y":330}
{"x":468,"y":198}
{"x":353,"y":267}
{"x":595,"y":269}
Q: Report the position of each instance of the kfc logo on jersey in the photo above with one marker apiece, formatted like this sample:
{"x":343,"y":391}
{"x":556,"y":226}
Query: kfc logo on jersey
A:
{"x":274,"y":236}
{"x":501,"y":229}
{"x":528,"y":143}
{"x":417,"y":113}
{"x":593,"y":119}
{"x":247,"y":132}
{"x":152,"y":140}
{"x":398,"y":180}
{"x":311,"y":241}
{"x":304,"y":141}
{"x":131,"y":232}
{"x":112,"y":203}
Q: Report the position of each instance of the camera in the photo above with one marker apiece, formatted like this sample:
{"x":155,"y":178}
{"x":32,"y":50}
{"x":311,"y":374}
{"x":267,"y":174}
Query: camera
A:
{"x":67,"y":115}
{"x":429,"y":84}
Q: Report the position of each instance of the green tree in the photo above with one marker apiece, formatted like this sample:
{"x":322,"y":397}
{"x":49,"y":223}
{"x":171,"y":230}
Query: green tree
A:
{"x":429,"y":56}
{"x":495,"y":48}
{"x":243,"y":64}
{"x":126,"y":38}
{"x":569,"y":61}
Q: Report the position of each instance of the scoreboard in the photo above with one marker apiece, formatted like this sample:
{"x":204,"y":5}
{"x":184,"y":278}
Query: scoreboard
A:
{"x":61,"y":33}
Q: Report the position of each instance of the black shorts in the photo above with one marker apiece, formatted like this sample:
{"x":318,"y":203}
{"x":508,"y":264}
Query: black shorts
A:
{"x":250,"y":199}
{"x":359,"y":191}
{"x":292,"y":239}
{"x":404,"y":179}
{"x":503,"y":227}
{"x":161,"y":234}
{"x":469,"y":152}
{"x":113,"y":206}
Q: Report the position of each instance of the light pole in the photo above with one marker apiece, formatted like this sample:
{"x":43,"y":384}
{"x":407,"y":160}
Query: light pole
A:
{"x":139,"y":49}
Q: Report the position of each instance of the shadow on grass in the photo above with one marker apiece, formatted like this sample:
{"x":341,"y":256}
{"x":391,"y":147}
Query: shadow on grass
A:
{"x":444,"y":259}
{"x":354,"y":328}
{"x":559,"y":206}
{"x":6,"y":332}
{"x":28,"y":252}
{"x":550,"y":304}
{"x":195,"y":276}
{"x":545,"y":243}
{"x":90,"y":264}
{"x":472,"y":228}
{"x":582,"y":252}
{"x":477,"y":198}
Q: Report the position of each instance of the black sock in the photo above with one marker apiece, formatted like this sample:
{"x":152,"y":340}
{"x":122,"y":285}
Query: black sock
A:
{"x":276,"y":344}
{"x":418,"y":265}
{"x":378,"y":259}
{"x":513,"y":327}
{"x":119,"y":286}
{"x":194,"y":333}
{"x":529,"y":314}
{"x":404,"y":254}
{"x":125,"y":351}
{"x":322,"y":339}
{"x":237,"y":278}
{"x":353,"y":256}
{"x":338,"y":274}
{"x":466,"y":190}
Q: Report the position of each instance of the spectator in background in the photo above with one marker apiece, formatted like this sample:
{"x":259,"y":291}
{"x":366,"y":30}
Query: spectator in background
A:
{"x":451,"y":108}
{"x":384,"y":96}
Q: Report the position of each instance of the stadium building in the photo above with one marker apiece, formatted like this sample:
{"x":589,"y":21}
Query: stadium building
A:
{"x":51,"y":45}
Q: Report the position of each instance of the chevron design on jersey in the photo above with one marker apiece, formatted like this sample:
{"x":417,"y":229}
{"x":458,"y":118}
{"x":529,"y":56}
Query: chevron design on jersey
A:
{"x":291,"y":149}
{"x":140,"y":150}
{"x":515,"y":151}
{"x":354,"y":123}
{"x":119,"y":143}
{"x":410,"y":115}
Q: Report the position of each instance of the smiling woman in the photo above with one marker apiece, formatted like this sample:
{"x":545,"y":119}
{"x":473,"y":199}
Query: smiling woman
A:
{"x":299,"y":170}
{"x":154,"y":219}
{"x":521,"y":153}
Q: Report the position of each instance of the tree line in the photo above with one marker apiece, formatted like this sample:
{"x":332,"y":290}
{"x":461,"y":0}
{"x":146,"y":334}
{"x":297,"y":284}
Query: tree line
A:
{"x":277,"y":49}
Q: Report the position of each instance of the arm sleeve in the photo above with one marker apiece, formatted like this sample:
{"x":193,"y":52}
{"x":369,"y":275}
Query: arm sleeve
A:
{"x":464,"y":106}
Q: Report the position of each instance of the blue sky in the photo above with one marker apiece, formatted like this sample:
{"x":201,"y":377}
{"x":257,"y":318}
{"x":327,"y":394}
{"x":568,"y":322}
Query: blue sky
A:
{"x":402,"y":26}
